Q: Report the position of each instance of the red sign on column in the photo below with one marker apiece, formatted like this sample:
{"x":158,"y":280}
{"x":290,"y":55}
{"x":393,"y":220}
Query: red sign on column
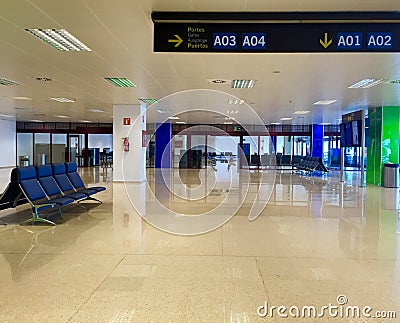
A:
{"x":127,"y":122}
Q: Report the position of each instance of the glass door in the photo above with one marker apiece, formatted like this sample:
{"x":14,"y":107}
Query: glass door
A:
{"x":75,"y":149}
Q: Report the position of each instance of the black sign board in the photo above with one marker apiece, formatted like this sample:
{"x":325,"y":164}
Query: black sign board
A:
{"x":276,"y":37}
{"x":353,"y":116}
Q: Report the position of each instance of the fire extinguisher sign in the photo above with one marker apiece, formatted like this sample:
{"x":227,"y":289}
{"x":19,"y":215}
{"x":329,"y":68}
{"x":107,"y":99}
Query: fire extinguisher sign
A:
{"x":127,"y":121}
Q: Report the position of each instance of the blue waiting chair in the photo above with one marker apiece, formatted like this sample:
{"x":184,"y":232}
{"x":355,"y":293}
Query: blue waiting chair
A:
{"x":76,"y":180}
{"x":36,"y":196}
{"x":63,"y":181}
{"x":50,"y":186}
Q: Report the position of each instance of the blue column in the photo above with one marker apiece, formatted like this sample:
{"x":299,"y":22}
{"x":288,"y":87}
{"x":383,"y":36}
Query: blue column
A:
{"x":273,"y":149}
{"x":317,"y":137}
{"x":163,"y":146}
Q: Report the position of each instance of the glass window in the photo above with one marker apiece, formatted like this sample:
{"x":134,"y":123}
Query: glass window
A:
{"x":267,"y":155}
{"x":25,"y":149}
{"x":197,"y":151}
{"x":59,"y":147}
{"x":42,"y":148}
{"x":250,"y":151}
{"x":179,"y":148}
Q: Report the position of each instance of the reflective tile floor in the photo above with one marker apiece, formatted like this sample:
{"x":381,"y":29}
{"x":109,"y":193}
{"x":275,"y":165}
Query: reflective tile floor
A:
{"x":316,"y":239}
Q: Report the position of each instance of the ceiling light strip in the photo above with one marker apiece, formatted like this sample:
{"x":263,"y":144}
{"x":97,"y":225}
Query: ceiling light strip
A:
{"x":59,"y":39}
{"x":4,"y":81}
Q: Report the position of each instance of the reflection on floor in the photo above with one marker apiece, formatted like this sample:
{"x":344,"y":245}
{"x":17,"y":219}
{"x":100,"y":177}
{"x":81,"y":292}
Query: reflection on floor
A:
{"x":316,"y":239}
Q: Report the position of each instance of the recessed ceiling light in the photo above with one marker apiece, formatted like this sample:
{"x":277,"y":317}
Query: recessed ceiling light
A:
{"x":59,"y":39}
{"x":163,"y":111}
{"x":325,"y":102}
{"x":229,"y":118}
{"x":120,"y":81}
{"x":21,"y":98}
{"x":85,"y":121}
{"x":243,"y":84}
{"x":34,"y":120}
{"x":218,"y":81}
{"x":148,"y":100}
{"x":173,"y":118}
{"x":286,"y":119}
{"x":63,"y":100}
{"x":96,"y":110}
{"x":302,"y":112}
{"x":181,"y":122}
{"x":232,"y":111}
{"x":4,"y":81}
{"x":393,"y":81}
{"x":235,"y":101}
{"x":63,"y":117}
{"x":43,"y":79}
{"x":275,"y":123}
{"x":366,"y":83}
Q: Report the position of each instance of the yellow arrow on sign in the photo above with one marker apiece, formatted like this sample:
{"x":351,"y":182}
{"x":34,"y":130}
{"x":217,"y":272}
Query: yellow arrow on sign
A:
{"x":178,"y":40}
{"x":325,"y":43}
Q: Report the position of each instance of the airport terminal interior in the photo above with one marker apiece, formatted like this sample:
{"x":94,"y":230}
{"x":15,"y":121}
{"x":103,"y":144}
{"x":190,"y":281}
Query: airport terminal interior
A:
{"x":199,"y":161}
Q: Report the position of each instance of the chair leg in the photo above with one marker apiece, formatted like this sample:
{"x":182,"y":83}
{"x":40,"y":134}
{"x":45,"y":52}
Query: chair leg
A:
{"x":89,"y":198}
{"x":36,"y":218}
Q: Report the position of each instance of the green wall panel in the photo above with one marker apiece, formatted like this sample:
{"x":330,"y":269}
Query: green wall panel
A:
{"x":384,"y":134}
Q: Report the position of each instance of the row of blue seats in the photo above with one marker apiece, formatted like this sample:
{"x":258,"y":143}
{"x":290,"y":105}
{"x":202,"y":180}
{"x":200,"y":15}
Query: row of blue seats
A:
{"x":47,"y":186}
{"x":310,"y":164}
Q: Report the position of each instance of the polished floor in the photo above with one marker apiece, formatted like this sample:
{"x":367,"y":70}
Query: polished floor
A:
{"x":316,"y":239}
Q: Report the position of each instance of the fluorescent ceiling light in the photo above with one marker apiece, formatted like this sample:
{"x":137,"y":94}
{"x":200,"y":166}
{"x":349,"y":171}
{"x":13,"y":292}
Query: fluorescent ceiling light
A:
{"x":163,"y":111}
{"x":59,"y":39}
{"x":228,"y":122}
{"x":324,"y":123}
{"x":235,"y":101}
{"x":229,"y":118}
{"x":148,"y":100}
{"x":63,"y":100}
{"x":85,"y":121}
{"x":366,"y":83}
{"x":232,"y":111}
{"x":21,"y":98}
{"x":96,"y":110}
{"x":6,"y":116}
{"x":4,"y":81}
{"x":34,"y":120}
{"x":302,"y":112}
{"x":243,"y":84}
{"x":325,"y":102}
{"x":376,"y":82}
{"x":63,"y":117}
{"x":286,"y":119}
{"x":173,"y":118}
{"x":275,"y":123}
{"x":218,"y":81}
{"x":120,"y":81}
{"x":180,"y":122}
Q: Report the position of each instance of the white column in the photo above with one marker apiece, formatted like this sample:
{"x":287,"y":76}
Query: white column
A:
{"x":129,"y":166}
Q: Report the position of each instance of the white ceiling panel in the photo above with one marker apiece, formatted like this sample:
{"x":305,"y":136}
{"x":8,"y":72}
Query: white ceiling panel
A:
{"x":220,"y":5}
{"x":121,"y":37}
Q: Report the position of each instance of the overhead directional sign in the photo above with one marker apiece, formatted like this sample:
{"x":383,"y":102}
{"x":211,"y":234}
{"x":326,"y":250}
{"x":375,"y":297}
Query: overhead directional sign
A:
{"x":276,"y":37}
